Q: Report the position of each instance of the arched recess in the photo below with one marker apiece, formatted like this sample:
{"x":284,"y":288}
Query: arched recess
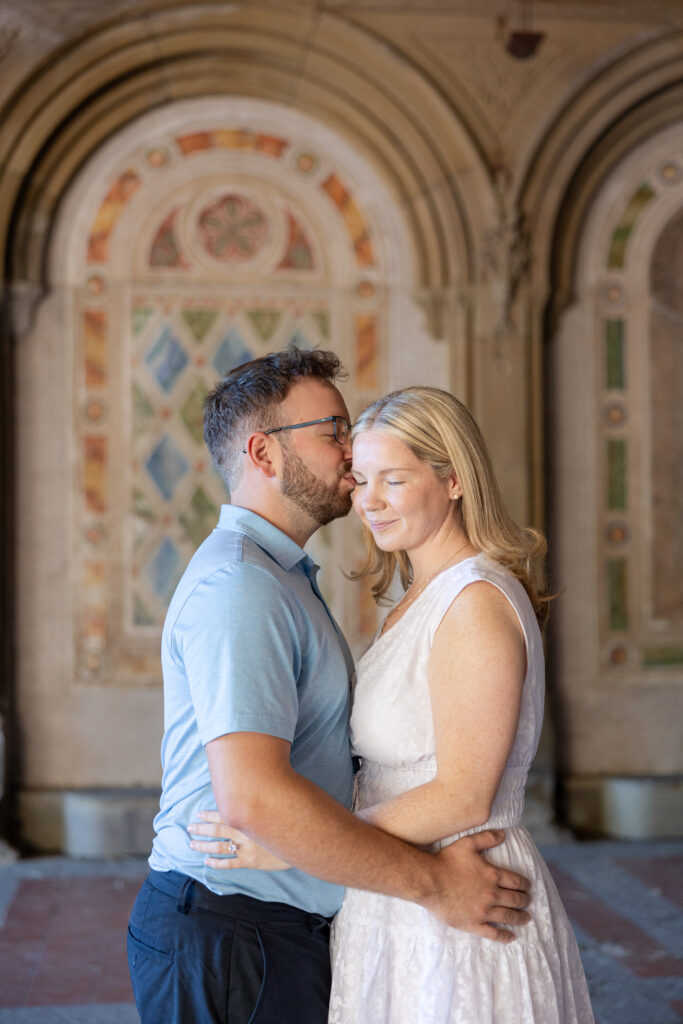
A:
{"x":63,"y":123}
{"x":203,"y":235}
{"x":314,"y":62}
{"x":626,"y":101}
{"x":549,"y":198}
{"x":614,"y":472}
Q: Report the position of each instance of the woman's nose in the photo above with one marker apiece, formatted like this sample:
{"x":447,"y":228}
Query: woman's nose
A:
{"x":369,"y":498}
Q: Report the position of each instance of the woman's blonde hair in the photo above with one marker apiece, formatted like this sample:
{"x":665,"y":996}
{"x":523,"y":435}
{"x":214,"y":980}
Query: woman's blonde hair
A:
{"x":441,"y":432}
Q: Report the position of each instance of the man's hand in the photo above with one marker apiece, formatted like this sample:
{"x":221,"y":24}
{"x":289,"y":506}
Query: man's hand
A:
{"x":474,"y":895}
{"x":258,"y":791}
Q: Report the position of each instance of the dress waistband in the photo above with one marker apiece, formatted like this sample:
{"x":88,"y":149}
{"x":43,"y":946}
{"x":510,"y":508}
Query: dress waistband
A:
{"x":508,"y":804}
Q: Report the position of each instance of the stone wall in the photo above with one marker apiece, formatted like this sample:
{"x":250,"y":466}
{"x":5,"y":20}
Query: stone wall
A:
{"x":408,"y":192}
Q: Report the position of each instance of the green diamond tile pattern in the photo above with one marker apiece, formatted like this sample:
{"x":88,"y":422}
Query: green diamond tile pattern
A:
{"x":199,"y":321}
{"x":143,"y":411}
{"x":265,"y":322}
{"x":322,"y":321}
{"x":200,"y":517}
{"x":141,"y":317}
{"x":191,"y":411}
{"x":143,"y":515}
{"x":142,"y":616}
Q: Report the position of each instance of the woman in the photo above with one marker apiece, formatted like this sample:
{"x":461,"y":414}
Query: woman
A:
{"x":446,"y":718}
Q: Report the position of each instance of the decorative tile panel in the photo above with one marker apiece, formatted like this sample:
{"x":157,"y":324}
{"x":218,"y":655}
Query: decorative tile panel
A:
{"x":165,"y":251}
{"x":95,"y":348}
{"x":299,"y":254}
{"x":167,"y":466}
{"x":640,"y":398}
{"x":618,"y":612}
{"x":367,"y":351}
{"x":233,"y":229}
{"x":199,"y":321}
{"x":191,"y":411}
{"x":165,"y":569}
{"x":233,"y":352}
{"x":226,"y":275}
{"x":199,"y":517}
{"x":167,"y":359}
{"x":622,"y":232}
{"x":121,"y":191}
{"x":616,"y":474}
{"x":265,"y":322}
{"x":95,"y":482}
{"x":615,"y":370}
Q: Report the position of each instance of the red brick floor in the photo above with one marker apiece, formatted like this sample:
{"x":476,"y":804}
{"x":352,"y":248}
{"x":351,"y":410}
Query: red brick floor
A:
{"x":63,"y":942}
{"x":63,"y":928}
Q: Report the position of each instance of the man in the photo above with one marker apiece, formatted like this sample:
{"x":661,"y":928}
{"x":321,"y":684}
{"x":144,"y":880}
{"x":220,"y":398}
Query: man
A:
{"x":256,"y":688}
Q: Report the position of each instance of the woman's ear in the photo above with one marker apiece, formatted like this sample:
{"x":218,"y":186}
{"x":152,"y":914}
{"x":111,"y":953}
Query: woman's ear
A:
{"x":454,"y":489}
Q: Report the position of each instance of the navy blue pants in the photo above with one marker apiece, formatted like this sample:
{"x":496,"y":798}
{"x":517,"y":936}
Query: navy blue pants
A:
{"x":198,"y":958}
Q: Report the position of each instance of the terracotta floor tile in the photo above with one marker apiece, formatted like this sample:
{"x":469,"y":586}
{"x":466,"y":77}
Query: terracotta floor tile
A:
{"x":631,"y":946}
{"x":664,"y":874}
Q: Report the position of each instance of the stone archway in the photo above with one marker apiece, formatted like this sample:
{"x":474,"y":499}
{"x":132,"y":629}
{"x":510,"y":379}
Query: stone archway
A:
{"x":614,"y":474}
{"x":100,"y":85}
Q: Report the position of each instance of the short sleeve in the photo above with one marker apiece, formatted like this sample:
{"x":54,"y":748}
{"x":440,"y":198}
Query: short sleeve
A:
{"x":237,"y":639}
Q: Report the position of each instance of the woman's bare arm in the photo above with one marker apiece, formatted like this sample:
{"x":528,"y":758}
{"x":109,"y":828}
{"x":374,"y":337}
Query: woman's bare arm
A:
{"x":476,"y":671}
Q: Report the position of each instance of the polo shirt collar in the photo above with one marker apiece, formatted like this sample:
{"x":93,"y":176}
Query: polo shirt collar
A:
{"x":282,"y":548}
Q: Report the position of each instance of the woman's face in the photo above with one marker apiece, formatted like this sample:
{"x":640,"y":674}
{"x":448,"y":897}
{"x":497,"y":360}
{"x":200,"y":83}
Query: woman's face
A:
{"x":397,"y":496}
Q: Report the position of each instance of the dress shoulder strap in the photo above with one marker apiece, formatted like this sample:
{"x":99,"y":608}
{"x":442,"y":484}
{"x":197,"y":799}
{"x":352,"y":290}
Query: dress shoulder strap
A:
{"x":449,"y":584}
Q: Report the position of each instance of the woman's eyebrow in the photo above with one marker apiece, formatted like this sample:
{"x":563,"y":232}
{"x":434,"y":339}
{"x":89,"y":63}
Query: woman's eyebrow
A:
{"x":394,"y":469}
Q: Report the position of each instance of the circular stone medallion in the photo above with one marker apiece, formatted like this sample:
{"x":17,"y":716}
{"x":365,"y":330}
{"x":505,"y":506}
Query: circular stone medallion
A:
{"x":233,"y":229}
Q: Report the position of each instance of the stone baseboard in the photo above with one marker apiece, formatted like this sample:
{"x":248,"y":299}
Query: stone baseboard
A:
{"x":625,"y":808}
{"x":89,"y":823}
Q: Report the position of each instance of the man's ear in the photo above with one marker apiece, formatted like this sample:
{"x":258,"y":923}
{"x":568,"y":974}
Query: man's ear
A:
{"x":259,"y":452}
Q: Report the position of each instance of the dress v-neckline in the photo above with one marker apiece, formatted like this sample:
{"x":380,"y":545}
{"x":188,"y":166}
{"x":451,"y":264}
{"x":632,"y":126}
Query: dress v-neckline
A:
{"x":384,"y":633}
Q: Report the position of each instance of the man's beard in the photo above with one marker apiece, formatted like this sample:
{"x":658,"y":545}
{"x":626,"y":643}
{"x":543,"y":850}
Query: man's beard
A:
{"x":322,"y":502}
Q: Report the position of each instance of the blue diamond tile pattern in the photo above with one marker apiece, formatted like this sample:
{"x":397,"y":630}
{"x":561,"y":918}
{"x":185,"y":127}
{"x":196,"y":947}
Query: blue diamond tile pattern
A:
{"x":166,"y":359}
{"x":165,"y":569}
{"x":166,"y":465}
{"x":232,"y":352}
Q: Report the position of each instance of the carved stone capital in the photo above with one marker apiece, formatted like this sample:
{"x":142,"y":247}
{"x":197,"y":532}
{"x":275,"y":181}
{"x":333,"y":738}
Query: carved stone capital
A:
{"x":438,"y":306}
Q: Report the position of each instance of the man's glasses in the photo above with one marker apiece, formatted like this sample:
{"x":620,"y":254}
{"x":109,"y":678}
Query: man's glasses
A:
{"x":341,"y":427}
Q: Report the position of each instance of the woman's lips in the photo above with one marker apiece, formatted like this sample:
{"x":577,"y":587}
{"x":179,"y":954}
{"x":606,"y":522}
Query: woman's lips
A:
{"x":381,"y":525}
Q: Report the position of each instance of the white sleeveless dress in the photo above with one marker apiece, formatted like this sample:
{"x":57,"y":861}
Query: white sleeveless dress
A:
{"x":392,"y":961}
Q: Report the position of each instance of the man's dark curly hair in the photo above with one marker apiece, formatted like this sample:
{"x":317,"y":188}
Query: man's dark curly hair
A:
{"x":249,"y":398}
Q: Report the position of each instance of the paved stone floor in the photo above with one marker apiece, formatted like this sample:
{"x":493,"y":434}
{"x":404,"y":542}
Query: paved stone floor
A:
{"x":62,"y":929}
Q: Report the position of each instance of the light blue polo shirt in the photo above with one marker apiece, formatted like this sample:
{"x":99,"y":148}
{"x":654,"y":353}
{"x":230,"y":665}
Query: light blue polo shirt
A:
{"x":249,"y":645}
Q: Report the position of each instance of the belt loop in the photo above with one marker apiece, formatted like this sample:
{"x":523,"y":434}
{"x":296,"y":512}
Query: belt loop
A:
{"x":185,"y":896}
{"x":318,"y":923}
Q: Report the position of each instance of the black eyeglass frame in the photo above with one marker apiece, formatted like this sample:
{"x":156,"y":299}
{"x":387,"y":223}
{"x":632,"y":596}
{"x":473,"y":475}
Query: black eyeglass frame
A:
{"x":309,"y":423}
